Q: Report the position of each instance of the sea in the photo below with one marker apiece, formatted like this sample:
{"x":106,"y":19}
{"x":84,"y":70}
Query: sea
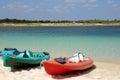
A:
{"x":101,"y":43}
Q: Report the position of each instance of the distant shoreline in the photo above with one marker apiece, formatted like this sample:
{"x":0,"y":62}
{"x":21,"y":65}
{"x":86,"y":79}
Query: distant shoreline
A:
{"x":55,"y":24}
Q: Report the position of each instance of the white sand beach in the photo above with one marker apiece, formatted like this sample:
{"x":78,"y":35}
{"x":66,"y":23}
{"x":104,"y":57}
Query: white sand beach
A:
{"x":100,"y":71}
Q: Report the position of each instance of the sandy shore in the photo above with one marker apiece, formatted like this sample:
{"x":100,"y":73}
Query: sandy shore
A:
{"x":55,"y":24}
{"x":101,"y":71}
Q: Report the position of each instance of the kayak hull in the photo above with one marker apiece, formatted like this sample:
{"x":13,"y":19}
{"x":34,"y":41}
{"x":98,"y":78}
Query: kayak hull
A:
{"x":54,"y":68}
{"x":23,"y":59}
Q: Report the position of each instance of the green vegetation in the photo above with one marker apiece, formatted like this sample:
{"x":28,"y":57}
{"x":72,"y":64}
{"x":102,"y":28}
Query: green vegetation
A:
{"x":7,"y":20}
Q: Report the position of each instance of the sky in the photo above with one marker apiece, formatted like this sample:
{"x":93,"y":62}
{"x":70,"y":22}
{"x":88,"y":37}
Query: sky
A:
{"x":60,"y":9}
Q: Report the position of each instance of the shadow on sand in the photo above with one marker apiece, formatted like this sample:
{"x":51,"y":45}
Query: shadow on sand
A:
{"x":14,"y":69}
{"x":74,"y":73}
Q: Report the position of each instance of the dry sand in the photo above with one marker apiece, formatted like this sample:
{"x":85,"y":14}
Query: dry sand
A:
{"x":100,"y":71}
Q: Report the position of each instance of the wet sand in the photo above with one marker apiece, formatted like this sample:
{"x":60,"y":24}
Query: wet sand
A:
{"x":100,"y":71}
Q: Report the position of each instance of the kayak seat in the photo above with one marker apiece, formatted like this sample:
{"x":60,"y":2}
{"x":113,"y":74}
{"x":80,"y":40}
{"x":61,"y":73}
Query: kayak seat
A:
{"x":60,"y":60}
{"x":27,"y":54}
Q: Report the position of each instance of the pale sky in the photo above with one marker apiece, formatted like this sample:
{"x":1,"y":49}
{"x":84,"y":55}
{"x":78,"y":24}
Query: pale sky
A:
{"x":60,"y":9}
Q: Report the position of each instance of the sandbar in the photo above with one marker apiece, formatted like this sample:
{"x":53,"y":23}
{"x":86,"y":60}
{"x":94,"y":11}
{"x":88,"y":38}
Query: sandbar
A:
{"x":54,"y":24}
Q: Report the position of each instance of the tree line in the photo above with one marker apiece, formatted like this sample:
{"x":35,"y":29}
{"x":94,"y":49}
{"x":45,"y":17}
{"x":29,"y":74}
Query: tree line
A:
{"x":7,"y":20}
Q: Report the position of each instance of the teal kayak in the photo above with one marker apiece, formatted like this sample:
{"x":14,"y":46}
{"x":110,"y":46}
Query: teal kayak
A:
{"x":25,"y":58}
{"x":9,"y":51}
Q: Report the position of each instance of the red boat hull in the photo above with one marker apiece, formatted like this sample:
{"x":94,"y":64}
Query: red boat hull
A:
{"x":53,"y":68}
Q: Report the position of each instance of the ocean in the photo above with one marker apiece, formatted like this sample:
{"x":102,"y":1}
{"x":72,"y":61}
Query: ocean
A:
{"x":102,"y":43}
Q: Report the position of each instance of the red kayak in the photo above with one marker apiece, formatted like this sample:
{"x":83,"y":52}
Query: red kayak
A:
{"x":57,"y":66}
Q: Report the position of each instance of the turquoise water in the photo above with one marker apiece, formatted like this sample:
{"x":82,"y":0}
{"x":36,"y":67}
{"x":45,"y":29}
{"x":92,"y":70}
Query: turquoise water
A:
{"x":102,"y":43}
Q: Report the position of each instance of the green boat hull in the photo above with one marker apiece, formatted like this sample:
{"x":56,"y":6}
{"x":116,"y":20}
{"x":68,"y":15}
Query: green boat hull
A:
{"x":24,"y":59}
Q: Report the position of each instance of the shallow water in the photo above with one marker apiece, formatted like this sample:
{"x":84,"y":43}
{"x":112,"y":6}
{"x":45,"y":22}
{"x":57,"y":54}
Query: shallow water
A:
{"x":102,"y":43}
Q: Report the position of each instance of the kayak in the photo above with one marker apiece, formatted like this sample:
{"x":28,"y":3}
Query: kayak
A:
{"x":25,"y":58}
{"x":60,"y":65}
{"x":9,"y":51}
{"x":54,"y":68}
